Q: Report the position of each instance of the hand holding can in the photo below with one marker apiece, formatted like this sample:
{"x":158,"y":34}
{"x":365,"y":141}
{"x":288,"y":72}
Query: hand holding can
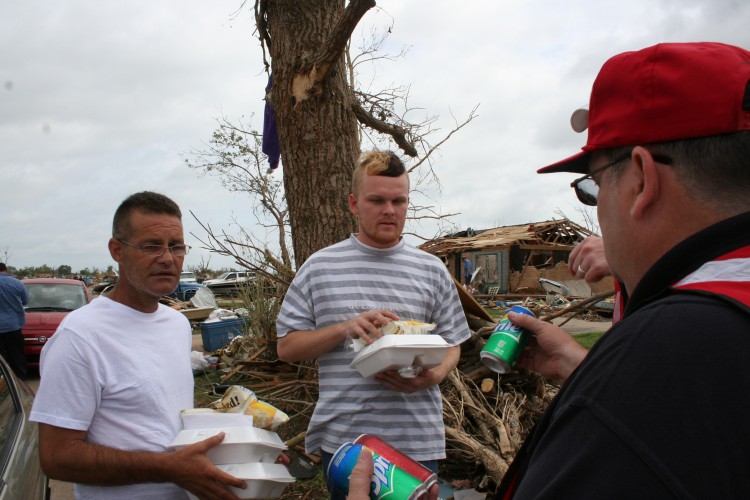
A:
{"x":359,"y":480}
{"x":550,"y":351}
{"x":506,"y":343}
{"x":388,"y":480}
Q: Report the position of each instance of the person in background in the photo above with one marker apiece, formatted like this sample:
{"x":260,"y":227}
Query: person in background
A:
{"x":658,"y":408}
{"x":348,"y":291}
{"x":468,"y":270}
{"x":117,"y":373}
{"x":588,"y":262}
{"x":13,"y":297}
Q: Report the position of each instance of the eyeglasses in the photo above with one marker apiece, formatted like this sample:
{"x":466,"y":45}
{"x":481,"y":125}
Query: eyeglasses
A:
{"x":158,"y":250}
{"x":586,"y":188}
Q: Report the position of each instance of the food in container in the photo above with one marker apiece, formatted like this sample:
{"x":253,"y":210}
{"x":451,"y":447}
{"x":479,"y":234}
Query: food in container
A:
{"x":206,"y":418}
{"x":239,"y":399}
{"x":397,"y":352}
{"x":407,"y":327}
{"x":400,"y":327}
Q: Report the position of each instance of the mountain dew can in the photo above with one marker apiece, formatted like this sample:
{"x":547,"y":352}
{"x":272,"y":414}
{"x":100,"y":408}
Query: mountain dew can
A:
{"x":388,"y":481}
{"x":506,"y":343}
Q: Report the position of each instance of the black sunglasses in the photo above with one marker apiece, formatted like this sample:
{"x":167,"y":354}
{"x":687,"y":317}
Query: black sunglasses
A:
{"x":587,"y":190}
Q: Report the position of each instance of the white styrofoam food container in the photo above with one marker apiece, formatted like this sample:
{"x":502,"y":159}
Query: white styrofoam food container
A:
{"x":262,"y":480}
{"x":240,"y":445}
{"x":392,"y":352}
{"x":206,"y":418}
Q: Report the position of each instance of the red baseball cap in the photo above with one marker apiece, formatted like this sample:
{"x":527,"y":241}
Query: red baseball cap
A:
{"x":667,"y":92}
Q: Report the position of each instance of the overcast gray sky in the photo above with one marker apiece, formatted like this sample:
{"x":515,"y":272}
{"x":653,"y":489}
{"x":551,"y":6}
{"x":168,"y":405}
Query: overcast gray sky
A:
{"x":99,"y":99}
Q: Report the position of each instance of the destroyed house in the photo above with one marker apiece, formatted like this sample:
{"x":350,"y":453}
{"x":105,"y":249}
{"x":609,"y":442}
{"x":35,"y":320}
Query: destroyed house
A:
{"x":511,"y":259}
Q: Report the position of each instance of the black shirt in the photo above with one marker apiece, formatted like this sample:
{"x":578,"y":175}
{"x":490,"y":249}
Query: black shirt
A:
{"x":657,"y":409}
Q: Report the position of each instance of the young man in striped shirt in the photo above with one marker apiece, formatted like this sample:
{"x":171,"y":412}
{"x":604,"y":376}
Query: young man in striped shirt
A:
{"x":348,"y":291}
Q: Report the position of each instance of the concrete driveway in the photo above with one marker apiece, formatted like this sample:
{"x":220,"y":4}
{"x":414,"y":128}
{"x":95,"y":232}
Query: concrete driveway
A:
{"x":59,"y":490}
{"x":576,"y":325}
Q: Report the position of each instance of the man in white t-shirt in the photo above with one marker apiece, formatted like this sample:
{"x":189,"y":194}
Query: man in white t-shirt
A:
{"x":116,"y":374}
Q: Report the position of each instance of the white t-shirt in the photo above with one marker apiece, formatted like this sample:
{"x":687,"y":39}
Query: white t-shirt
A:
{"x":122,"y":376}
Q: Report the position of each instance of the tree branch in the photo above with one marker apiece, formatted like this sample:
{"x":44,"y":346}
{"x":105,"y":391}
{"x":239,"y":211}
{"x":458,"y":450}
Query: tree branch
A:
{"x":309,"y":81}
{"x":398,"y":133}
{"x":458,"y":127}
{"x":261,"y":22}
{"x":335,"y":44}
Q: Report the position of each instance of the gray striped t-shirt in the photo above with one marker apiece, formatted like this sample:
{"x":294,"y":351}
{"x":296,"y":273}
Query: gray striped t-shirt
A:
{"x":342,"y":281}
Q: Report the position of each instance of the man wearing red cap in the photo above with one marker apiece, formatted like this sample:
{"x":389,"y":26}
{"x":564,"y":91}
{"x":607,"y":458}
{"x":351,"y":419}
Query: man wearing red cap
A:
{"x":658,"y":408}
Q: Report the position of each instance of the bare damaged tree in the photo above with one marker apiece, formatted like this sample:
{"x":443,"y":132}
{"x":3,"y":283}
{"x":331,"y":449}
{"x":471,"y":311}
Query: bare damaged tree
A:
{"x":586,"y":216}
{"x":250,"y":254}
{"x":5,"y":255}
{"x":202,"y":269}
{"x":311,"y":100}
{"x":318,"y":111}
{"x":386,"y":116}
{"x":369,"y":53}
{"x":234,"y":156}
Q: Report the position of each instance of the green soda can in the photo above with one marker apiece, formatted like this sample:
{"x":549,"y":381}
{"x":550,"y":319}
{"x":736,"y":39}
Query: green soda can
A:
{"x":388,"y":481}
{"x":506,"y":343}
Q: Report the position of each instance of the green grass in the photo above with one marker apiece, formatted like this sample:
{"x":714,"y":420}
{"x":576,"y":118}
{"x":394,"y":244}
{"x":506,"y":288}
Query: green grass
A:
{"x":204,"y":388}
{"x":588,"y":339}
{"x":495,"y":313}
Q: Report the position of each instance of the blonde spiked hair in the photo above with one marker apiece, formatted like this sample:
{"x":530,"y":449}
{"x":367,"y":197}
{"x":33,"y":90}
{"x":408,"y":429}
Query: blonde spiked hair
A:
{"x":375,"y":162}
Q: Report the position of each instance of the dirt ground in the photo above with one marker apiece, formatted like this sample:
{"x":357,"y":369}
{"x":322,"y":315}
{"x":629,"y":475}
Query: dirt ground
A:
{"x":197,"y":342}
{"x":576,"y":325}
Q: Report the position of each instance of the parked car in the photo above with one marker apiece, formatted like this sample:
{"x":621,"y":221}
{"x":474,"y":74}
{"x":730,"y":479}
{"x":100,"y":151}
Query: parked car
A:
{"x":22,"y":476}
{"x":188,"y":277}
{"x":50,"y":300}
{"x":185,"y":290}
{"x":228,"y":283}
{"x":105,"y":284}
{"x":230,"y":277}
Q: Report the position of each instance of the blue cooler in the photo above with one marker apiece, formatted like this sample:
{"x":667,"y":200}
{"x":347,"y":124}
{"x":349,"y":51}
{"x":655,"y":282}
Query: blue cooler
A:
{"x":217,"y":334}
